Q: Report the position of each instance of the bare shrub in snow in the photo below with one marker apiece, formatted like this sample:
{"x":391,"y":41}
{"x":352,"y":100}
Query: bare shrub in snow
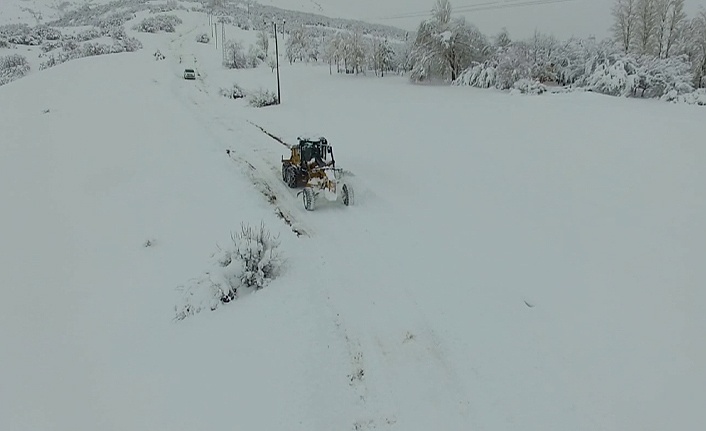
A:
{"x":4,"y":43}
{"x":257,"y":250}
{"x":263,"y":98}
{"x":249,"y":265}
{"x":235,"y":92}
{"x":203,"y":38}
{"x":272,"y":63}
{"x":13,"y":67}
{"x":166,"y":23}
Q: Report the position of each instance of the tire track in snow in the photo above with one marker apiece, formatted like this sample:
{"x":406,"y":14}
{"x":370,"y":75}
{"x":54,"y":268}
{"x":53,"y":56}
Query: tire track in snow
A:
{"x":263,"y":176}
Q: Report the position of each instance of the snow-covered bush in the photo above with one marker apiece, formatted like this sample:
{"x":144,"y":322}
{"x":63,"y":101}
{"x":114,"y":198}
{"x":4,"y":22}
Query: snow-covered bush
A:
{"x":513,"y":65}
{"x":642,"y":76}
{"x":235,"y":56}
{"x":129,"y":44}
{"x":13,"y":67}
{"x":169,"y":6}
{"x":117,"y":33}
{"x":263,"y":98}
{"x":203,"y":38}
{"x":89,"y":34}
{"x":4,"y":43}
{"x":21,"y":34}
{"x":612,"y":79}
{"x":697,"y":97}
{"x":529,"y":86}
{"x":88,"y":49}
{"x":479,"y":75}
{"x":50,"y":46}
{"x":234,"y":92}
{"x":660,"y":76}
{"x":158,"y":23}
{"x":249,"y":265}
{"x":114,"y":20}
{"x":47,"y":33}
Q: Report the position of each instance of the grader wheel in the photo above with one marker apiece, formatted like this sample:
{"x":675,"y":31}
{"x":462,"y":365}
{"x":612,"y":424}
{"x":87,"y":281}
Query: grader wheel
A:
{"x":347,"y":195}
{"x":289,"y":176}
{"x":309,"y":198}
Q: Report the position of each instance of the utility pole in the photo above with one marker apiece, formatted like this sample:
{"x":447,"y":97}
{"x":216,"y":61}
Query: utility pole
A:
{"x":223,"y":39}
{"x":279,"y":96}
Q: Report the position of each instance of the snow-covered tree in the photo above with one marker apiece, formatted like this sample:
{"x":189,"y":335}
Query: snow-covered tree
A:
{"x":541,"y":50}
{"x":676,"y":19}
{"x":698,"y":46}
{"x":444,"y":47}
{"x":333,"y":52}
{"x":513,"y":64}
{"x":503,"y":40}
{"x":235,"y":56}
{"x":354,"y":52}
{"x":271,"y":62}
{"x":645,"y":31}
{"x":403,"y":57}
{"x":626,"y":22}
{"x":255,"y":56}
{"x":382,"y":56}
{"x":263,"y":40}
{"x":297,"y":45}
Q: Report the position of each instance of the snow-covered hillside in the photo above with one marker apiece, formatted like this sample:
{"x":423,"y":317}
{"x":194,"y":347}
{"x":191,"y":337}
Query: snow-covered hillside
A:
{"x":511,"y":262}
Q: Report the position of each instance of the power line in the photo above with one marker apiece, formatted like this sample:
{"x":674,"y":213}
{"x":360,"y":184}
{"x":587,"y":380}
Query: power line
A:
{"x":477,"y":7}
{"x":429,"y":11}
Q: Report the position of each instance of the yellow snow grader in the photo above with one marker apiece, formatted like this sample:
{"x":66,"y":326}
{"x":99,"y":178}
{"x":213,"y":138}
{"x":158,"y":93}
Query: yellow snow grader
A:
{"x":311,"y":165}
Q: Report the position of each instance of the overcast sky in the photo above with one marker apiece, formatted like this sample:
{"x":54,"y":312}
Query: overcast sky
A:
{"x":579,"y":17}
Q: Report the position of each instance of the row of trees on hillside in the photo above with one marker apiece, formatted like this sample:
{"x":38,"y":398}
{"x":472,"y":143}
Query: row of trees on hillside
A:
{"x":349,"y":51}
{"x":656,"y":52}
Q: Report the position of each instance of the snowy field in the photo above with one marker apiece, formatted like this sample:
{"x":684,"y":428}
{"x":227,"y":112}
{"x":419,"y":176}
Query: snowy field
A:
{"x":511,"y":262}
